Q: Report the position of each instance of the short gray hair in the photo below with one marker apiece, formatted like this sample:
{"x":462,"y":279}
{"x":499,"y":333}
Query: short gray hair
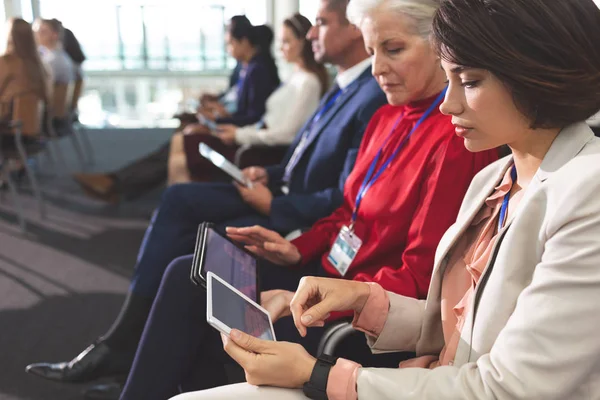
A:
{"x":421,"y":12}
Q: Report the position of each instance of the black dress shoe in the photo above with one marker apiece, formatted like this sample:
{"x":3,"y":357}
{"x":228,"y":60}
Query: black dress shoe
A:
{"x":104,"y":391}
{"x":97,"y":361}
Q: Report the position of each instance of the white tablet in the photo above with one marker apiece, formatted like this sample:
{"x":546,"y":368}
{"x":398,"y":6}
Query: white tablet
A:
{"x":228,"y":308}
{"x":221,"y":162}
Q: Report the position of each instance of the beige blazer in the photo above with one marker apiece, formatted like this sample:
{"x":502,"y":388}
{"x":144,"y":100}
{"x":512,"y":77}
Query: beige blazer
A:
{"x":533,"y":331}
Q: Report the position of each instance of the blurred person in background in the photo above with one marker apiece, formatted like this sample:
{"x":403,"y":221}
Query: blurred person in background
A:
{"x":73,"y":49}
{"x":21,"y":69}
{"x":244,"y":102}
{"x":49,"y":36}
{"x":286,"y":109}
{"x":251,"y":46}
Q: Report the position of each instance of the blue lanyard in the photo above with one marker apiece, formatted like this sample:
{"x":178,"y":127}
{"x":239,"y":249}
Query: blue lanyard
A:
{"x":369,"y":178}
{"x":324,"y":109}
{"x":504,"y":208}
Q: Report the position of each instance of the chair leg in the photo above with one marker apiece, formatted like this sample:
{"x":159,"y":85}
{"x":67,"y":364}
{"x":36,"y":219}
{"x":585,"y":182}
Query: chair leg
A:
{"x":78,"y":150}
{"x":18,"y":206}
{"x":31,"y":176}
{"x":86,"y":142}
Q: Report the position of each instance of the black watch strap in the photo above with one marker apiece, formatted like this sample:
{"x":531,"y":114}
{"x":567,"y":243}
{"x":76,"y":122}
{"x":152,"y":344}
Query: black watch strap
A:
{"x":316,"y":387}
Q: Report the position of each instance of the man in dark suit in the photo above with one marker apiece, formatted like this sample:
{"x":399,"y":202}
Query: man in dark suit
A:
{"x":306,"y":186}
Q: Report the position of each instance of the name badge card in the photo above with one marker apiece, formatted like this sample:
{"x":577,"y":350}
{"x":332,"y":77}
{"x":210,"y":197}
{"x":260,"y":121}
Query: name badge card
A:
{"x":344,"y":250}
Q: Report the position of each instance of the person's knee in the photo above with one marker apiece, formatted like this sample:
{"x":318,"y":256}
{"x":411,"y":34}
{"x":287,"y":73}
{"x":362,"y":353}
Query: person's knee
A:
{"x":177,"y":141}
{"x":177,"y":274}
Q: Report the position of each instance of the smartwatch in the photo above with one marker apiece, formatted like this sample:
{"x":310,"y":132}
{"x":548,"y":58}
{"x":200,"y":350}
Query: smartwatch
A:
{"x":316,"y":387}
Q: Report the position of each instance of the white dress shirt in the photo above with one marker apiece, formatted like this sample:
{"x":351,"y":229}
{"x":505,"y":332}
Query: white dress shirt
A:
{"x":60,"y":64}
{"x":287,"y":109}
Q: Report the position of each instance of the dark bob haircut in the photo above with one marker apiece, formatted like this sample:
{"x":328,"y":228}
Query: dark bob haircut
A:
{"x":546,"y":52}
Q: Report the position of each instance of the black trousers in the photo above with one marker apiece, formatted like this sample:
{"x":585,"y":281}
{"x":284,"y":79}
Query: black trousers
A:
{"x":143,"y":175}
{"x":180,"y":352}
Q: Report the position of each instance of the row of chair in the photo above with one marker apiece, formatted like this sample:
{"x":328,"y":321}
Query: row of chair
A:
{"x":35,"y":128}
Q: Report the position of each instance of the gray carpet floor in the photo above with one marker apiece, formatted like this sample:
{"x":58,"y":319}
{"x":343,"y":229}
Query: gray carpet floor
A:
{"x":62,"y":283}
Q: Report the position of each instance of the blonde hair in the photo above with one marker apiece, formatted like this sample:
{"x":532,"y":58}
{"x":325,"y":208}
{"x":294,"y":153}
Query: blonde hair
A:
{"x":420,"y":12}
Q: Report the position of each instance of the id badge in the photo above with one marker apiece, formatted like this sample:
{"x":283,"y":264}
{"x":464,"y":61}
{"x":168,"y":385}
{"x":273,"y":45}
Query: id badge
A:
{"x":344,"y":250}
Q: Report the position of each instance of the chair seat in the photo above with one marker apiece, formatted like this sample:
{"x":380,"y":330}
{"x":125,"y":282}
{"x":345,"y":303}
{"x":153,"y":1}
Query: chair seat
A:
{"x":8,"y":144}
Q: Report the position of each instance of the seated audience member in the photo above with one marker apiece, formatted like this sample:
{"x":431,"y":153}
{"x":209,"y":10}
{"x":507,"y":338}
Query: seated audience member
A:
{"x":21,"y":70}
{"x":410,"y":177}
{"x":514,"y":302}
{"x":258,"y":79}
{"x":300,"y":94}
{"x":74,"y":51}
{"x":249,"y":97}
{"x":49,"y":35}
{"x":313,"y":180}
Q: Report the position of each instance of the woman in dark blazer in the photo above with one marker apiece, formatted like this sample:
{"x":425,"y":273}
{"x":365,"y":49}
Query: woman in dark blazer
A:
{"x":250,"y":45}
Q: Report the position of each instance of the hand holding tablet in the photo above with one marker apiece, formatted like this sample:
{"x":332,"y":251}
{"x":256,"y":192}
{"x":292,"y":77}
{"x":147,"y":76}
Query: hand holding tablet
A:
{"x":222,"y":163}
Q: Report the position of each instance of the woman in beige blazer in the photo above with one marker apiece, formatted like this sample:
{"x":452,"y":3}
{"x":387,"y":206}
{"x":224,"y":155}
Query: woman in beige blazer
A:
{"x":513,"y":308}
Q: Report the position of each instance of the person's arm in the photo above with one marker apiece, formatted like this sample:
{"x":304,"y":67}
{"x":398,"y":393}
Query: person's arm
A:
{"x":260,"y":86}
{"x":449,"y":174}
{"x":300,"y":103}
{"x":296,"y":209}
{"x":549,"y":347}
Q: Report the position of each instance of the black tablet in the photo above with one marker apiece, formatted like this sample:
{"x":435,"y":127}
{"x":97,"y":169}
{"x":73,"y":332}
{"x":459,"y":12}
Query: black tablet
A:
{"x":228,"y":260}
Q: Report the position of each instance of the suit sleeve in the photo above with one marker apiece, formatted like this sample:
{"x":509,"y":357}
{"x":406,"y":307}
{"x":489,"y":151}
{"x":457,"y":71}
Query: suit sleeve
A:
{"x":549,"y":347}
{"x":260,"y":87}
{"x":442,"y":192}
{"x":294,"y":210}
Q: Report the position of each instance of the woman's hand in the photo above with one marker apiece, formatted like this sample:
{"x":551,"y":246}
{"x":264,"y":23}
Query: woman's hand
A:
{"x":316,"y":298}
{"x":269,"y":363}
{"x":277,"y":303}
{"x":267,"y":244}
{"x":258,"y":197}
{"x":196,"y":129}
{"x":226,"y":132}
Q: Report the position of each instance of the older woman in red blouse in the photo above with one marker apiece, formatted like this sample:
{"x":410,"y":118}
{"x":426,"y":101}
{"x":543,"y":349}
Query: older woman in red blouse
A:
{"x":410,"y":176}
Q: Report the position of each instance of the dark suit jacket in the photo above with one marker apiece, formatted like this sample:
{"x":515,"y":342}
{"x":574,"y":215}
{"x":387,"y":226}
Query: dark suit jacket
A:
{"x":317,"y":182}
{"x":261,"y":80}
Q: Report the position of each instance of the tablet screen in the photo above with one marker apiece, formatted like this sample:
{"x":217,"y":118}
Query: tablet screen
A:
{"x":221,"y":162}
{"x":237,"y":313}
{"x":230,"y":263}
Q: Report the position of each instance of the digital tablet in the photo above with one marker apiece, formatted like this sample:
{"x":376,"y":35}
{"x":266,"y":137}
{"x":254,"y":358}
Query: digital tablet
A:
{"x":211,"y":125}
{"x":228,"y":308}
{"x":221,"y":162}
{"x":218,"y":254}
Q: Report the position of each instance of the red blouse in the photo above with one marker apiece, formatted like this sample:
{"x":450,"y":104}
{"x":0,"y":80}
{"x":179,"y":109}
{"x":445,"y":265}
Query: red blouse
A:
{"x":407,"y":210}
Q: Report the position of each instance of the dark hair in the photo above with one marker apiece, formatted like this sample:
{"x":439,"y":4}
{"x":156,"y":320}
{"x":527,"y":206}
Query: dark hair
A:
{"x":73,"y":48}
{"x":545,"y":52}
{"x":300,"y":25}
{"x":339,"y":6}
{"x":262,"y":40}
{"x":55,"y":25}
{"x":239,"y":22}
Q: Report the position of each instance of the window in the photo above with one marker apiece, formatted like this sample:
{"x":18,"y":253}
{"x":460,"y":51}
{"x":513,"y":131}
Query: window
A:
{"x":177,"y":35}
{"x":309,"y":8}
